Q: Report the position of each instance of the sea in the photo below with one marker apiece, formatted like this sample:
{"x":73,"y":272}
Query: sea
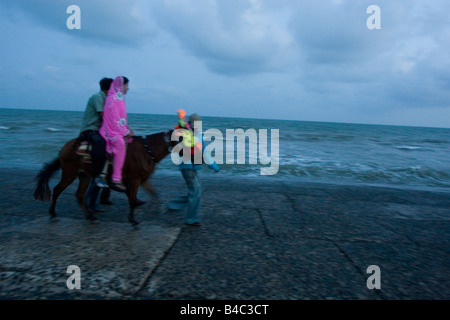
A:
{"x":319,"y":152}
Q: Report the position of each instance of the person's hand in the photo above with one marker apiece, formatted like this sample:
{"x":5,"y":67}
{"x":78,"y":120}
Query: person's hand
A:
{"x":130,"y":134}
{"x":215,"y":167}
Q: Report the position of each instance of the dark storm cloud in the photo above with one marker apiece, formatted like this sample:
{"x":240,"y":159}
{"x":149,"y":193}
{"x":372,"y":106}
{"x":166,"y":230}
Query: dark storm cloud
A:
{"x":309,"y":60}
{"x":115,"y":22}
{"x":238,"y":39}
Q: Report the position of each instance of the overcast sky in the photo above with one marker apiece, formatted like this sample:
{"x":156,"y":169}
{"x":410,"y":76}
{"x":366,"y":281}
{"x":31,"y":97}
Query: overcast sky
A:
{"x":271,"y":59}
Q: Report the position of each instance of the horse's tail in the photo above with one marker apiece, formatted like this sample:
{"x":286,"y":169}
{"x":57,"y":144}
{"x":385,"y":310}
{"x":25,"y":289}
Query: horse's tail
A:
{"x":42,"y":191}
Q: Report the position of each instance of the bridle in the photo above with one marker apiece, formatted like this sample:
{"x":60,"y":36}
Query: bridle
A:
{"x":167,"y":144}
{"x":168,"y":140}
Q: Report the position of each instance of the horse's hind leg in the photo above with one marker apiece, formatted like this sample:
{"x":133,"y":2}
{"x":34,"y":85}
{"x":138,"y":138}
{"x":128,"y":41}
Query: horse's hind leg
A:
{"x":82,"y":187}
{"x":66,"y":180}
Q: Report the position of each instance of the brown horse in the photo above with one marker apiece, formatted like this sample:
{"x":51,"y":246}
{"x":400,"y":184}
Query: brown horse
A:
{"x":142,"y":155}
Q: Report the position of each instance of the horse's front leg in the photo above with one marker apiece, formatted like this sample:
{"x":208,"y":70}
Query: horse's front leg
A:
{"x":156,"y":200}
{"x":149,"y":188}
{"x":133,"y":187}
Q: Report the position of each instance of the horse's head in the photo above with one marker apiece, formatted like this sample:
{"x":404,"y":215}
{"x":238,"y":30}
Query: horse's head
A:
{"x":168,"y":141}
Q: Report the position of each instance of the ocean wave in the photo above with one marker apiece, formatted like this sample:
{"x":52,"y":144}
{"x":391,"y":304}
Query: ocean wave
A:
{"x":316,"y":152}
{"x":408,"y":148}
{"x":46,"y":147}
{"x":11,"y":128}
{"x":342,"y":137}
{"x":334,"y":170}
{"x":365,"y":173}
{"x":435,"y":141}
{"x":312,"y":137}
{"x":52,"y":129}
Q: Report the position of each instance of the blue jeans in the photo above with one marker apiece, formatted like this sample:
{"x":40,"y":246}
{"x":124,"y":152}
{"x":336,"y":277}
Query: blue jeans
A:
{"x":92,"y":194}
{"x":193,"y":200}
{"x":98,"y":152}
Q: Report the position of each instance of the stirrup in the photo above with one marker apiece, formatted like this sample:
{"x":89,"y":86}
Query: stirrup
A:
{"x":118,"y":186}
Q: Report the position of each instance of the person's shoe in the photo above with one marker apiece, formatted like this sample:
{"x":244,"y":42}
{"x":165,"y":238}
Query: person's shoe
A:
{"x":91,"y":217}
{"x":195,"y":224}
{"x":118,"y":186}
{"x":101,"y":182}
{"x":106,"y":202}
{"x":95,"y":209}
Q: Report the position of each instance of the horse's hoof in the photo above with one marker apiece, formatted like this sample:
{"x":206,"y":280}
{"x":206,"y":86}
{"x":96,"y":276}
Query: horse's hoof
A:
{"x":91,"y":218}
{"x":133,"y":222}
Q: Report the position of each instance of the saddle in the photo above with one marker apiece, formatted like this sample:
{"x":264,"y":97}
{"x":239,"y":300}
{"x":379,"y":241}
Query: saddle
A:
{"x":84,"y":150}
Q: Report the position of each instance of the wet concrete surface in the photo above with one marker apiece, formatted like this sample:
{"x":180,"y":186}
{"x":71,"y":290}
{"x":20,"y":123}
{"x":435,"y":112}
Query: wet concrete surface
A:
{"x":261,"y":239}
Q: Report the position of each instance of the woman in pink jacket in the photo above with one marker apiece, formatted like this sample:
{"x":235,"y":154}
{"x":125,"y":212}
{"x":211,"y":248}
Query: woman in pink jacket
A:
{"x":115,"y":129}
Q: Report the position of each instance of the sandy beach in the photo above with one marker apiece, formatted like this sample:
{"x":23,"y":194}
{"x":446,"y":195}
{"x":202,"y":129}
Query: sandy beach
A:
{"x":260,"y":240}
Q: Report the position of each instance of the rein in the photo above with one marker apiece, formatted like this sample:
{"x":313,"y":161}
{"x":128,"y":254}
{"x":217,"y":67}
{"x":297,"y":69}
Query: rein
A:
{"x":149,"y":150}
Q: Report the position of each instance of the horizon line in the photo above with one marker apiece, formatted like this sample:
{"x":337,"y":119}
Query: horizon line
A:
{"x":242,"y":117}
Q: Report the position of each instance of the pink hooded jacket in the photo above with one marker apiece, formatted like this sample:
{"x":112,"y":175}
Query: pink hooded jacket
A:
{"x":115,"y":122}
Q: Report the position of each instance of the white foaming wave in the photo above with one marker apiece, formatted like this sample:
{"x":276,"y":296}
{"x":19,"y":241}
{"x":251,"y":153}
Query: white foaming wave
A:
{"x":300,"y":160}
{"x":408,"y":147}
{"x":53,"y":129}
